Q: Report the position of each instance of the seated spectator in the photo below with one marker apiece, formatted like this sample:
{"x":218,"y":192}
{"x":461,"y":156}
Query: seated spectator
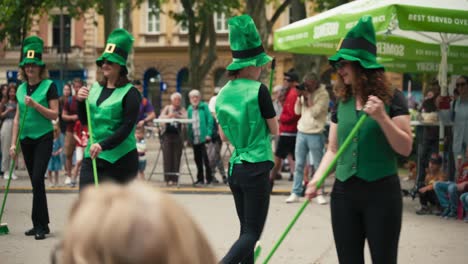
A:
{"x":447,"y":192}
{"x":427,"y":197}
{"x":131,"y":223}
{"x":464,"y":201}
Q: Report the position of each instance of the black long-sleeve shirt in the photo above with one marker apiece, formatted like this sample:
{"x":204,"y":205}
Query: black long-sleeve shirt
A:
{"x":130,"y":106}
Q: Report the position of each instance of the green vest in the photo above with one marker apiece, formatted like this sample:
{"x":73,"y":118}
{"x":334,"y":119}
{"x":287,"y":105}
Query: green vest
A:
{"x":35,"y":125}
{"x":106,"y":119}
{"x":240,"y":118}
{"x":369,"y":156}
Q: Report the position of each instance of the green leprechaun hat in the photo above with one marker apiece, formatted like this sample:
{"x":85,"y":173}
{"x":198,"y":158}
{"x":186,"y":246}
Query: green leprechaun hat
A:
{"x":32,"y":51}
{"x":245,"y":43}
{"x":359,"y":45}
{"x":119,"y":43}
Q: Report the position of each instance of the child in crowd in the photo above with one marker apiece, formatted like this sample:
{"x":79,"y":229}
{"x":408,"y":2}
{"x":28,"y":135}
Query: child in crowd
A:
{"x":55,"y":163}
{"x":448,"y":192}
{"x":427,"y":196}
{"x":105,"y":222}
{"x":141,"y":148}
{"x":80,"y":133}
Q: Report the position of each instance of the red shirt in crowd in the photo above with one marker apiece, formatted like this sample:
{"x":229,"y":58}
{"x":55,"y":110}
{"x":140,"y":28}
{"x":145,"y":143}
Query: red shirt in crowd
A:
{"x":288,"y":119}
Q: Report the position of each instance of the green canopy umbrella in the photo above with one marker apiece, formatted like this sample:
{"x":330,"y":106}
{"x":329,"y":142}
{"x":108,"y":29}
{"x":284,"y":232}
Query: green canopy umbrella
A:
{"x":412,"y":35}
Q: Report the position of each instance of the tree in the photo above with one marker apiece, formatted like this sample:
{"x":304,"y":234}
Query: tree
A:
{"x":257,"y":10}
{"x":323,"y":5}
{"x":19,"y":11}
{"x":197,"y":17}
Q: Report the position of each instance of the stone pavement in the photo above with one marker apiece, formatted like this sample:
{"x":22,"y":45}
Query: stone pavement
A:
{"x":424,"y":239}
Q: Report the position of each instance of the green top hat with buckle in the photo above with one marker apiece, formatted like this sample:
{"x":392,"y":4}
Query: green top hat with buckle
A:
{"x":32,"y":51}
{"x":119,"y":43}
{"x":246,"y":45}
{"x":359,"y":45}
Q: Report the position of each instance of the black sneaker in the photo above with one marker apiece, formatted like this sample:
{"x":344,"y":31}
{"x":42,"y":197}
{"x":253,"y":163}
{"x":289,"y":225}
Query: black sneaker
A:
{"x":32,"y":231}
{"x":451,"y":215}
{"x":445,"y":212}
{"x":423,"y":211}
{"x":198,"y":183}
{"x":225,"y":180}
{"x":40,"y":234}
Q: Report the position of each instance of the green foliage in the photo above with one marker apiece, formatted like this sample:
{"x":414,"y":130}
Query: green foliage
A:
{"x":15,"y":15}
{"x":194,"y":12}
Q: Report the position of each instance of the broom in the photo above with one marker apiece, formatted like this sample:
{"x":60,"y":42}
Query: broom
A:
{"x":319,"y":184}
{"x":4,"y":226}
{"x":91,"y":140}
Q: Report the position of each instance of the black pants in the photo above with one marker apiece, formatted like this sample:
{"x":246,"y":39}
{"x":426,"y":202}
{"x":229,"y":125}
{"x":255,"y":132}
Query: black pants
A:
{"x":363,"y":210}
{"x":428,"y":197}
{"x":36,"y":157}
{"x":172,"y":145}
{"x":201,"y":158}
{"x":252,"y":197}
{"x":123,"y":170}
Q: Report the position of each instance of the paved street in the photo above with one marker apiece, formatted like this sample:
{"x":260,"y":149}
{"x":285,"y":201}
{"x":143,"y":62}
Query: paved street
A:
{"x":425,"y":239}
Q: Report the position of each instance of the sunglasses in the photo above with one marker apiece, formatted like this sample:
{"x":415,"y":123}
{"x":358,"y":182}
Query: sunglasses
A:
{"x":460,"y":84}
{"x":341,"y":64}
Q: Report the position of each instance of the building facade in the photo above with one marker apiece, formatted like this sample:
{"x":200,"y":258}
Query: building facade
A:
{"x":160,"y":56}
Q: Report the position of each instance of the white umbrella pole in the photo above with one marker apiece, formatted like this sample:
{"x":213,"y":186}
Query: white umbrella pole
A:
{"x":444,"y":47}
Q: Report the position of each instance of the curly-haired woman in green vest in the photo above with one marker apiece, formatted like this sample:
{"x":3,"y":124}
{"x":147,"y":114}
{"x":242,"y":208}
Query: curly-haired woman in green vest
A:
{"x":114,"y":104}
{"x":247,"y":118}
{"x":38,"y":105}
{"x":366,"y":200}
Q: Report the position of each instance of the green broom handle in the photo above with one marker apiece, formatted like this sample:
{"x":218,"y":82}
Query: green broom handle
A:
{"x":91,"y":140}
{"x":272,"y":73}
{"x":319,"y":184}
{"x":13,"y":162}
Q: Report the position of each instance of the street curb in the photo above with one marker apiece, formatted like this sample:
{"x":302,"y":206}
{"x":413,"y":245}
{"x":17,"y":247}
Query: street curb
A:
{"x":174,"y":190}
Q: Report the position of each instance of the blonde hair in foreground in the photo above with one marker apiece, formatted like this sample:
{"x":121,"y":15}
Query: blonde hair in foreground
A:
{"x":132,"y":223}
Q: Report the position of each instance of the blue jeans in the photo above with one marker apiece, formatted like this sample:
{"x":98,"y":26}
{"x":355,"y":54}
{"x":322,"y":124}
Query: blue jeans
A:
{"x":306,"y":144}
{"x":447,"y":194}
{"x":464,"y":201}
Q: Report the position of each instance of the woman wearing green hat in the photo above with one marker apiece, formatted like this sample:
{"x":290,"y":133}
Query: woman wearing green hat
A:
{"x":38,"y":105}
{"x":114,"y":105}
{"x":366,"y":198}
{"x":247,"y":118}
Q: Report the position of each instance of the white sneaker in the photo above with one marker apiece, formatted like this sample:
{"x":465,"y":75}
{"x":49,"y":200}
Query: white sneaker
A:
{"x":321,"y":199}
{"x":13,"y":176}
{"x":7,"y":176}
{"x":67,"y":180}
{"x":293,"y":198}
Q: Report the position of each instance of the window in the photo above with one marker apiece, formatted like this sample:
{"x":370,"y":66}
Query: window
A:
{"x":56,"y":29}
{"x":153,"y":20}
{"x":220,"y":21}
{"x":183,"y":29}
{"x":120,"y":18}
